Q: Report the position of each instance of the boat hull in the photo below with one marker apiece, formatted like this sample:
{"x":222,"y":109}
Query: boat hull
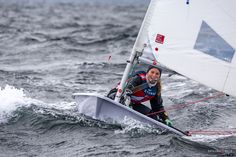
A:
{"x":105,"y":109}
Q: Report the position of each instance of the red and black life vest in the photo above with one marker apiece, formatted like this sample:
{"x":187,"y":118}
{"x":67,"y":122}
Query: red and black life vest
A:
{"x":144,"y":94}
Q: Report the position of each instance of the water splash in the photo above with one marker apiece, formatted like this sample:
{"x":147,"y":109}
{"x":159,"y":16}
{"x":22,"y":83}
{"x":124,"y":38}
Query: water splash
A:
{"x":206,"y":138}
{"x":12,"y":98}
{"x":136,"y":128}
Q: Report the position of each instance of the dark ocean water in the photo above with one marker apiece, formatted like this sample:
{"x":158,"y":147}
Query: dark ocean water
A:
{"x":50,"y":50}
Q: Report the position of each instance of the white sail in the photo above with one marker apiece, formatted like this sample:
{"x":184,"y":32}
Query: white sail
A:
{"x":196,"y":38}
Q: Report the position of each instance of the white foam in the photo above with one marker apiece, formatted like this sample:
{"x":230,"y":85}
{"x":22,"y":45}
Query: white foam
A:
{"x":10,"y":99}
{"x":63,"y":105}
{"x":135,"y":127}
{"x":206,"y":138}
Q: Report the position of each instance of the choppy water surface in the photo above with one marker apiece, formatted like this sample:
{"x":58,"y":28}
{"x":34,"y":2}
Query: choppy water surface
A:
{"x":48,"y":51}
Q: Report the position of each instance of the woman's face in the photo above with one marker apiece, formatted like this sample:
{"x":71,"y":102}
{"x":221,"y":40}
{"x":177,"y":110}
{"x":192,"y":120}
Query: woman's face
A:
{"x":153,"y":75}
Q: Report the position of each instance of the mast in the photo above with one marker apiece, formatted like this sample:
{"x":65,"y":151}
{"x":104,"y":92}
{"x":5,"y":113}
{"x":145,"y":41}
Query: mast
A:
{"x":137,"y":48}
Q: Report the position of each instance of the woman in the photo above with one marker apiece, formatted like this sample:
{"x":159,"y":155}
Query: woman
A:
{"x":145,"y":86}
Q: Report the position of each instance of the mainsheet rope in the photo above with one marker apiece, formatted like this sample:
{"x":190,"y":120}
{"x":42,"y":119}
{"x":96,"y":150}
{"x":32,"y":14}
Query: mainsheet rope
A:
{"x":186,"y":104}
{"x":202,"y":132}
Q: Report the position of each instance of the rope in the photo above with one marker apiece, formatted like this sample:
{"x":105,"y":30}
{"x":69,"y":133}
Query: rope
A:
{"x":186,"y":104}
{"x":213,"y":132}
{"x":201,"y":132}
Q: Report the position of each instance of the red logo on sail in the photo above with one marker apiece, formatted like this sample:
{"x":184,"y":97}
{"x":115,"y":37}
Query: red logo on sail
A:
{"x":160,"y":38}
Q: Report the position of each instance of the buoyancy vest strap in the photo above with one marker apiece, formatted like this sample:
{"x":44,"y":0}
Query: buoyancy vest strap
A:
{"x":140,"y":87}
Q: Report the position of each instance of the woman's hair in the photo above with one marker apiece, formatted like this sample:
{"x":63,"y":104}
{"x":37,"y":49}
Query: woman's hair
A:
{"x":159,"y":85}
{"x":151,"y":67}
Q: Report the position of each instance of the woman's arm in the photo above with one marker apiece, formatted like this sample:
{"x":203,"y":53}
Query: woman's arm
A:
{"x":157,"y":106}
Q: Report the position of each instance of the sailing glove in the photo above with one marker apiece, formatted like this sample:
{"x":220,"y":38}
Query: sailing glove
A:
{"x":127,"y":95}
{"x":168,"y":122}
{"x":127,"y":101}
{"x":128,"y":92}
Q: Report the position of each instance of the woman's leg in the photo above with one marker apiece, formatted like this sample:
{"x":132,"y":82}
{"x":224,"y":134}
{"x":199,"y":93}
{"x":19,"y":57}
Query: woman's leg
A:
{"x":143,"y":109}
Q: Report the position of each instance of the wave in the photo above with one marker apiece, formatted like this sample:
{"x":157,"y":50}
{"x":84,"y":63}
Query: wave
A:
{"x":204,"y":145}
{"x":137,"y":129}
{"x":17,"y":109}
{"x":44,"y":119}
{"x":11,"y":98}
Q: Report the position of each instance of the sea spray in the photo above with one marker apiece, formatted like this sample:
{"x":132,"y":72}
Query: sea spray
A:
{"x":12,"y":98}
